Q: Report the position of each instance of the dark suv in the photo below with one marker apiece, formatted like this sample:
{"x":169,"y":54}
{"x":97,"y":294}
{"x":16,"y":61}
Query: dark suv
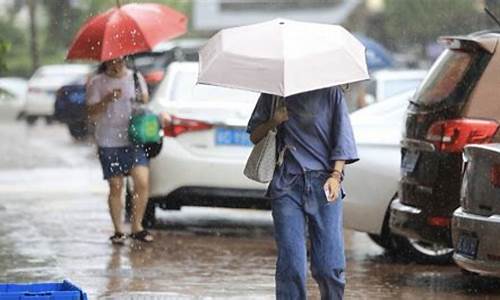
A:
{"x":457,"y":104}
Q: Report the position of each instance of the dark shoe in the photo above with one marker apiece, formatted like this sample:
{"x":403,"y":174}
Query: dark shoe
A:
{"x":118,"y":238}
{"x":143,"y":236}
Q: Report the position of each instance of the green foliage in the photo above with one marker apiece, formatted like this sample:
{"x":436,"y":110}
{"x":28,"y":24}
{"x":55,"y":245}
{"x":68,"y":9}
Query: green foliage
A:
{"x":423,"y":21}
{"x":58,"y":21}
{"x":4,"y":49}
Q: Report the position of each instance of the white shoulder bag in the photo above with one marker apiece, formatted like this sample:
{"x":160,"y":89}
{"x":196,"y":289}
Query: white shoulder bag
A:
{"x":262,"y":160}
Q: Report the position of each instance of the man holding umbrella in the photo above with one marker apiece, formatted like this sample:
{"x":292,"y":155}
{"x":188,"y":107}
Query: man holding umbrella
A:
{"x":304,"y":63}
{"x":111,"y":94}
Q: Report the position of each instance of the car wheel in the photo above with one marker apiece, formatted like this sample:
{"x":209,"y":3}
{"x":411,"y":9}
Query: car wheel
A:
{"x":31,"y":120}
{"x":78,"y":130}
{"x":424,"y":252}
{"x":418,"y":251}
{"x":149,"y":219}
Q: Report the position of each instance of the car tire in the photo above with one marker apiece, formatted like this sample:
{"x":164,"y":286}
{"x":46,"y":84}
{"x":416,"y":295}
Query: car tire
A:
{"x":417,"y":251}
{"x":78,"y":130}
{"x":31,"y":120}
{"x":149,"y":218}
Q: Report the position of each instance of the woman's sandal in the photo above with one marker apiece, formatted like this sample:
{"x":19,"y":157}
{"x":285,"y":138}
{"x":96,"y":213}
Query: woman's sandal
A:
{"x":143,"y":236}
{"x":118,"y":238}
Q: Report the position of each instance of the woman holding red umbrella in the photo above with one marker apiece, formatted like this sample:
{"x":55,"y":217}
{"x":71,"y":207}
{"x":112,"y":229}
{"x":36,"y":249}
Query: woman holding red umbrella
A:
{"x":110,"y":97}
{"x":107,"y":37}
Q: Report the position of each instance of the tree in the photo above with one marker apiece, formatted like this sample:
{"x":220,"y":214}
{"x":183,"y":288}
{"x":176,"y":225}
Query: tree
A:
{"x":4,"y":48}
{"x":409,"y":22}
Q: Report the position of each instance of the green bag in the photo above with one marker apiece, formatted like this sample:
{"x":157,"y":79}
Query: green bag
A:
{"x":144,"y":129}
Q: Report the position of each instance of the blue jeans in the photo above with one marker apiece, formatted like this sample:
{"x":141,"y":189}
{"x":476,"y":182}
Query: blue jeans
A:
{"x":304,"y":207}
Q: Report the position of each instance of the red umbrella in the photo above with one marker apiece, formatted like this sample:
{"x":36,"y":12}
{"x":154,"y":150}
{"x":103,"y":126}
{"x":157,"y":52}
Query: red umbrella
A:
{"x":125,"y":30}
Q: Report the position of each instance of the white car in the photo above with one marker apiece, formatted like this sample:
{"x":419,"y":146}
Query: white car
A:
{"x":387,"y":83}
{"x":371,"y":184}
{"x":43,"y":86}
{"x":12,"y":97}
{"x":205,"y":150}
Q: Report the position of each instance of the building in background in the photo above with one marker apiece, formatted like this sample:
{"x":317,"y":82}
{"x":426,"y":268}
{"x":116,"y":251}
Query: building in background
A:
{"x":214,"y":15}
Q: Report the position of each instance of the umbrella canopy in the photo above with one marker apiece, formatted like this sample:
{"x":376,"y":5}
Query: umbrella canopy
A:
{"x":126,"y":30}
{"x":282,"y":57}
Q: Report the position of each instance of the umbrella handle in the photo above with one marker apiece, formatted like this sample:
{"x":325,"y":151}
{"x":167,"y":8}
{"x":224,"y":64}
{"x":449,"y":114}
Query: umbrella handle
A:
{"x":118,"y":3}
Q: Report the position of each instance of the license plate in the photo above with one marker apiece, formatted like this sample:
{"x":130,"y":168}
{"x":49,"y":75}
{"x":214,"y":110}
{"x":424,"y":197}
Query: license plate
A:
{"x":467,"y":246}
{"x":232,"y":137}
{"x":410,"y":161}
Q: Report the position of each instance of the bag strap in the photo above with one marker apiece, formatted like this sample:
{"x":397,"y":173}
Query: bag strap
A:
{"x":137,"y":87}
{"x":274,"y":105}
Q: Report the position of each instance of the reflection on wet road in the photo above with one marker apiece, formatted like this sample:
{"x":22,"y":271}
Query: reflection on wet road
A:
{"x":55,"y":225}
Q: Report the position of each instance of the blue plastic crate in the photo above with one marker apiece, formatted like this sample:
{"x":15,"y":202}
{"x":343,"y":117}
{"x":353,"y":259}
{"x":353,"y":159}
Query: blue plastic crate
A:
{"x":41,"y":291}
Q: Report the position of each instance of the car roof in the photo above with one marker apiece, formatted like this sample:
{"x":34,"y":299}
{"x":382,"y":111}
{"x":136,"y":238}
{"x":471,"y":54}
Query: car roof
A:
{"x":65,"y":67}
{"x":399,"y":74}
{"x":487,"y":40}
{"x":183,"y":66}
{"x":180,"y":43}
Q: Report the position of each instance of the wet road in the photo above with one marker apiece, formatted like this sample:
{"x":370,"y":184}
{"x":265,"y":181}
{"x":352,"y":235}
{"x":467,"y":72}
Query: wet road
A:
{"x":54,"y":225}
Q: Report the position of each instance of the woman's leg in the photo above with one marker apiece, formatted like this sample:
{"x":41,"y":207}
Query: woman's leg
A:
{"x":327,"y":240}
{"x":140,"y":176}
{"x":289,"y":232}
{"x":115,"y":202}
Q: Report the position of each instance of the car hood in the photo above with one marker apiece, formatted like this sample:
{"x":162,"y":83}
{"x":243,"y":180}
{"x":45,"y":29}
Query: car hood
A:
{"x":227,"y":113}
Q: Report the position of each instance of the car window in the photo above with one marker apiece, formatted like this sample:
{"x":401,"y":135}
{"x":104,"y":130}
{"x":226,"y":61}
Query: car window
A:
{"x":444,"y":76}
{"x":398,"y":86}
{"x":5,"y":96}
{"x":186,"y":89}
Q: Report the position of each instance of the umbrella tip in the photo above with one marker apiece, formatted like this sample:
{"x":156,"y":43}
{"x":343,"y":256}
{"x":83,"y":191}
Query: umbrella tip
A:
{"x":118,"y":3}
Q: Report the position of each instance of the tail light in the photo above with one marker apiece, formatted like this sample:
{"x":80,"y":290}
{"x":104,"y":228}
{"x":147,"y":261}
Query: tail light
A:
{"x":454,"y":135}
{"x":495,"y":175}
{"x":179,"y":126}
{"x":154,"y":77}
{"x":35,"y":90}
{"x":439,"y":221}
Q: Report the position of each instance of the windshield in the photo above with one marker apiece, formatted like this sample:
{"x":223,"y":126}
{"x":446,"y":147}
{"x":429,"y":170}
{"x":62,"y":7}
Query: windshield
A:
{"x":444,"y":76}
{"x":186,"y":89}
{"x":395,"y":87}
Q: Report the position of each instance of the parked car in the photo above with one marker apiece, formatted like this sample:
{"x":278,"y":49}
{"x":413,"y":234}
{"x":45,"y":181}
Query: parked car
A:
{"x":206,"y":147}
{"x":12,"y":97}
{"x":152,"y":65}
{"x":70,"y":108}
{"x":372,"y":183}
{"x":384,"y":84}
{"x":476,"y":223}
{"x":43,"y":85}
{"x":456,"y":105}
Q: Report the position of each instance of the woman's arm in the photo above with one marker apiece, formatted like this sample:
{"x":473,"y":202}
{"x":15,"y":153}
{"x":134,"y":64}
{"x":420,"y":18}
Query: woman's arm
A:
{"x":98,"y":108}
{"x":332,"y":184}
{"x":260,"y":131}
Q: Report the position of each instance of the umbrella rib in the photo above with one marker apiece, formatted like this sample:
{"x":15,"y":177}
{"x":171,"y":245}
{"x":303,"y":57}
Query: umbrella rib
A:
{"x":104,"y":37}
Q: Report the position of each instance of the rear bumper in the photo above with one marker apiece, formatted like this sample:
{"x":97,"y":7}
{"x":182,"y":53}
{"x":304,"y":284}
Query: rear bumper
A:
{"x":177,"y":173}
{"x":411,"y":222}
{"x":485,"y":229}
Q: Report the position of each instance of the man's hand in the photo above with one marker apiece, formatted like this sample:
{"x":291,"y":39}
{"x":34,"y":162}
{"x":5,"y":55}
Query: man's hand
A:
{"x":332,"y":189}
{"x":280,"y":116}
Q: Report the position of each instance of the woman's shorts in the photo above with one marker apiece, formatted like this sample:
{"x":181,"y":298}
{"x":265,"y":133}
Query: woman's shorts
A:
{"x":118,"y":161}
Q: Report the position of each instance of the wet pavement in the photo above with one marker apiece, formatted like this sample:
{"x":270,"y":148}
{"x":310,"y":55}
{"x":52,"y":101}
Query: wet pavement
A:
{"x":54,"y":225}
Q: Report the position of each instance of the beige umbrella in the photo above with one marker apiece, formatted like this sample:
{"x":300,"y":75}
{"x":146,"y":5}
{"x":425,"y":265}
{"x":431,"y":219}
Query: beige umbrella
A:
{"x":282,"y":57}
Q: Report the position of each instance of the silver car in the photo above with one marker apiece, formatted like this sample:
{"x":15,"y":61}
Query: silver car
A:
{"x":476,"y":223}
